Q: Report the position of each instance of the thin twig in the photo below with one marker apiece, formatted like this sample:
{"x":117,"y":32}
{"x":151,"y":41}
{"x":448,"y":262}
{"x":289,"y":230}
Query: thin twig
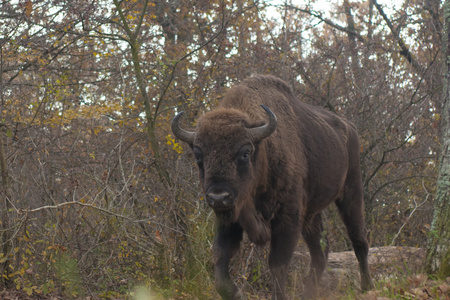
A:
{"x":416,"y":206}
{"x":74,"y":203}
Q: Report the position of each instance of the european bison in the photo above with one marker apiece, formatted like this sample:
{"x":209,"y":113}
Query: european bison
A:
{"x":272,"y":176}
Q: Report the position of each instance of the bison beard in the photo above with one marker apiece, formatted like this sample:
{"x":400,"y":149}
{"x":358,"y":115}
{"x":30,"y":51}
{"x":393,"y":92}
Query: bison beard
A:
{"x":272,"y":178}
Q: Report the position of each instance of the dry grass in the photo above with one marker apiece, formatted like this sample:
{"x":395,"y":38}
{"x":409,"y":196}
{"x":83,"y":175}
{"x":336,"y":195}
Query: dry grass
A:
{"x":396,"y":272}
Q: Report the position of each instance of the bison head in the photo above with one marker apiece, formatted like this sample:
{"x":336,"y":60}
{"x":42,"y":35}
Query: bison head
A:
{"x":225,"y":145}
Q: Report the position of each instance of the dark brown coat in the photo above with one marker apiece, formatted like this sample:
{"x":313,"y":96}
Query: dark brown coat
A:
{"x":272,"y":178}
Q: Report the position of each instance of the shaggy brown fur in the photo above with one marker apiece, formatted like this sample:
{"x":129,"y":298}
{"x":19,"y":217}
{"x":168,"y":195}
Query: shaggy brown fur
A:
{"x":274,"y":189}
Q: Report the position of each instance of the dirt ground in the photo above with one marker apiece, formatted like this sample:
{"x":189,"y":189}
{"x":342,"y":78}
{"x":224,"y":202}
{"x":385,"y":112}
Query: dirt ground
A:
{"x":396,"y":271}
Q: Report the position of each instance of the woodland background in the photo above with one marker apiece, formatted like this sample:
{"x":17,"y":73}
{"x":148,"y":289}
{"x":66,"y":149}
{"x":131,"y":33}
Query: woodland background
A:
{"x":96,"y":194}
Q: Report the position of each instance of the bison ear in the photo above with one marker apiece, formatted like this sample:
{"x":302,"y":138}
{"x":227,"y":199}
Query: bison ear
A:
{"x":180,"y":133}
{"x":259,"y":133}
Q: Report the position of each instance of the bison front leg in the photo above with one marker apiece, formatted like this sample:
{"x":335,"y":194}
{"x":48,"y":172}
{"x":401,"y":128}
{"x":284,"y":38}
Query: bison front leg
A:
{"x":256,"y":227}
{"x":226,"y":244}
{"x":283,"y":241}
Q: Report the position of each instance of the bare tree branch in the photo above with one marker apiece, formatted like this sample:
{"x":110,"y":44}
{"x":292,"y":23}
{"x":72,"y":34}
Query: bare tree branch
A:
{"x":319,"y":16}
{"x":404,"y":50}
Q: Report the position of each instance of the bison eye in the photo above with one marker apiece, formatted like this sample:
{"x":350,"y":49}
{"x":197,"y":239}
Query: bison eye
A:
{"x":244,"y":154}
{"x":198,"y":157}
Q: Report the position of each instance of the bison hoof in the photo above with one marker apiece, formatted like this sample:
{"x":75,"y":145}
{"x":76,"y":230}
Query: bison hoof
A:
{"x":236,"y":296}
{"x":229,"y":292}
{"x":239,"y":296}
{"x":310,"y":293}
{"x":367,"y":284}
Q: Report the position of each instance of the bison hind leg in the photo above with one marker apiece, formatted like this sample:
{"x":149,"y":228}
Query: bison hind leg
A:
{"x":317,"y":241}
{"x":351,"y":211}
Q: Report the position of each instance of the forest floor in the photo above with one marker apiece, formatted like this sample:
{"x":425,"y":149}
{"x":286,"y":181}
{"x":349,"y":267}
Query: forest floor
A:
{"x":396,"y":272}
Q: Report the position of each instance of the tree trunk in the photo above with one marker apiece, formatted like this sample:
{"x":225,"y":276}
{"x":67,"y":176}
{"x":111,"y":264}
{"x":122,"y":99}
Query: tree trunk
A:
{"x":438,"y":257}
{"x":132,"y":38}
{"x":5,"y":206}
{"x":5,"y":195}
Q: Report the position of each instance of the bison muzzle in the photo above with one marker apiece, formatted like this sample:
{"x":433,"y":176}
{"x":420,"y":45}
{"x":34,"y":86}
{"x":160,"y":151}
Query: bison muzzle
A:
{"x":270,"y":172}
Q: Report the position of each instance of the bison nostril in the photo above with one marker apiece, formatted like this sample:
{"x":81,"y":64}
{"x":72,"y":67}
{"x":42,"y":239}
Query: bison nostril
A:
{"x":218,"y":196}
{"x":220,"y":199}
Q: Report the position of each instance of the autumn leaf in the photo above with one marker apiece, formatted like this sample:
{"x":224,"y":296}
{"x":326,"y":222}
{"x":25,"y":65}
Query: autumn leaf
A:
{"x":28,"y":8}
{"x":158,"y":236}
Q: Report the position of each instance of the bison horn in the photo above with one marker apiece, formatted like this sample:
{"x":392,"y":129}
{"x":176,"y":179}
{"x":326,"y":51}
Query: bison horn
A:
{"x":184,"y":135}
{"x":259,"y":133}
